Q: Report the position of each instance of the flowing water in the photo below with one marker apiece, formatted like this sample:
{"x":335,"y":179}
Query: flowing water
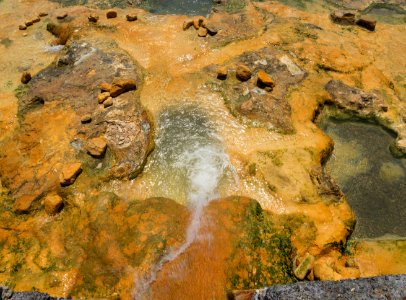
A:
{"x":373,"y":180}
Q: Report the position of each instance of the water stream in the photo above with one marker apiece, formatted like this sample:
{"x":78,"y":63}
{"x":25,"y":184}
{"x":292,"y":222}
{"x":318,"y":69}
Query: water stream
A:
{"x":373,"y":180}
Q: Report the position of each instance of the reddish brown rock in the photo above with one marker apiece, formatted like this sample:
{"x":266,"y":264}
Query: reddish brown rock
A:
{"x":25,"y":77}
{"x":103,"y":97}
{"x":199,"y":22}
{"x":187,"y":24}
{"x":108,"y":102}
{"x":96,"y":147}
{"x":211,"y":29}
{"x":131,"y":18}
{"x":53,"y":204}
{"x":69,"y":173}
{"x":222,"y":73}
{"x":367,"y":24}
{"x":23,"y":204}
{"x":86,"y":119}
{"x":36,"y":20}
{"x":28,"y":23}
{"x":61,"y":16}
{"x":111,"y":14}
{"x":105,"y":87}
{"x":120,"y":86}
{"x":265,"y":80}
{"x":22,"y":27}
{"x":202,"y":32}
{"x":93,"y":18}
{"x":243,"y":73}
{"x":42,"y":14}
{"x":343,"y":18}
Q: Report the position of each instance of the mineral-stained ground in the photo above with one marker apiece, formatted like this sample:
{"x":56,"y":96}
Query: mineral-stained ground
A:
{"x":147,"y":154}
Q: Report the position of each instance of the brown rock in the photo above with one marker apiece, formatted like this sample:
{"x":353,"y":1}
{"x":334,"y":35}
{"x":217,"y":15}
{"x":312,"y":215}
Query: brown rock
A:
{"x":131,"y":18}
{"x":367,"y":24}
{"x":62,"y":16}
{"x":120,"y":86}
{"x":108,"y":102}
{"x":103,"y":97}
{"x":343,"y":18}
{"x":265,"y":80}
{"x":243,"y":73}
{"x":36,"y":20}
{"x":53,"y":204}
{"x":86,"y":119}
{"x":22,"y":27}
{"x":28,"y":23}
{"x":25,"y":77}
{"x":96,"y":147}
{"x":69,"y":173}
{"x":199,"y":22}
{"x":202,"y":32}
{"x":211,"y":29}
{"x":187,"y":24}
{"x":23,"y":204}
{"x":93,"y":18}
{"x":42,"y":14}
{"x":105,"y":87}
{"x":222,"y":73}
{"x":111,"y":14}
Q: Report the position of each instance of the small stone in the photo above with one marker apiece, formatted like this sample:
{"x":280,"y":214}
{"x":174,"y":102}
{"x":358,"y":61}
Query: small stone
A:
{"x":202,"y":32}
{"x":23,"y":204}
{"x":25,"y":77}
{"x":243,"y":73}
{"x":22,"y":27}
{"x":42,"y":14}
{"x":108,"y":102}
{"x":211,"y":29}
{"x":187,"y":24}
{"x":53,"y":204}
{"x":93,"y":18}
{"x":36,"y":20}
{"x":96,"y":147}
{"x":28,"y":23}
{"x":304,"y":267}
{"x":367,"y":24}
{"x":111,"y":14}
{"x":343,"y":18}
{"x":86,"y":119}
{"x":120,"y":86}
{"x":105,"y":87}
{"x":69,"y":173}
{"x":62,"y":16}
{"x":199,"y":22}
{"x":25,"y":34}
{"x":131,"y":18}
{"x":222,"y":73}
{"x":103,"y":97}
{"x":265,"y":80}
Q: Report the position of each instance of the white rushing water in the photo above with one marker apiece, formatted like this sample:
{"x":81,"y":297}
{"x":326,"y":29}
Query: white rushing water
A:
{"x":188,"y":144}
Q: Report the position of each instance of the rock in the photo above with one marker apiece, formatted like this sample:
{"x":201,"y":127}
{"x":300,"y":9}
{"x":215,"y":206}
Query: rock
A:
{"x":22,"y":27}
{"x":86,"y":119}
{"x":111,"y":14}
{"x":25,"y":77}
{"x":93,"y":18}
{"x":42,"y":14}
{"x":304,"y":267}
{"x":23,"y":204}
{"x":69,"y":173}
{"x":62,"y":32}
{"x":36,"y":20}
{"x":187,"y":24}
{"x":28,"y":23}
{"x":131,"y":18}
{"x":222,"y":73}
{"x":108,"y":102}
{"x":265,"y":80}
{"x":199,"y":22}
{"x":96,"y":147}
{"x":61,"y":16}
{"x":53,"y":204}
{"x":120,"y":86}
{"x":211,"y":29}
{"x":103,"y":97}
{"x":243,"y":73}
{"x":202,"y":32}
{"x":366,"y":23}
{"x":343,"y":18}
{"x":105,"y":87}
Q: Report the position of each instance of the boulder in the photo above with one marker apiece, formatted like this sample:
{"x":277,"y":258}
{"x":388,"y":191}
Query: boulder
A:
{"x":103,"y":97}
{"x":53,"y":204}
{"x":86,"y":119}
{"x":343,"y":18}
{"x":93,"y":18}
{"x":222,"y":73}
{"x":23,"y":204}
{"x":96,"y":147}
{"x":243,"y":73}
{"x":108,"y":102}
{"x":69,"y":173}
{"x":61,"y":16}
{"x":25,"y":77}
{"x":304,"y":267}
{"x":120,"y":86}
{"x":366,"y":23}
{"x":264,"y":80}
{"x":202,"y":32}
{"x":111,"y":14}
{"x":131,"y":18}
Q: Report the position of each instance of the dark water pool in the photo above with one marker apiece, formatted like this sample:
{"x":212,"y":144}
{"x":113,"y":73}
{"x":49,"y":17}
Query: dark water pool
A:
{"x":373,"y":180}
{"x":179,"y":7}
